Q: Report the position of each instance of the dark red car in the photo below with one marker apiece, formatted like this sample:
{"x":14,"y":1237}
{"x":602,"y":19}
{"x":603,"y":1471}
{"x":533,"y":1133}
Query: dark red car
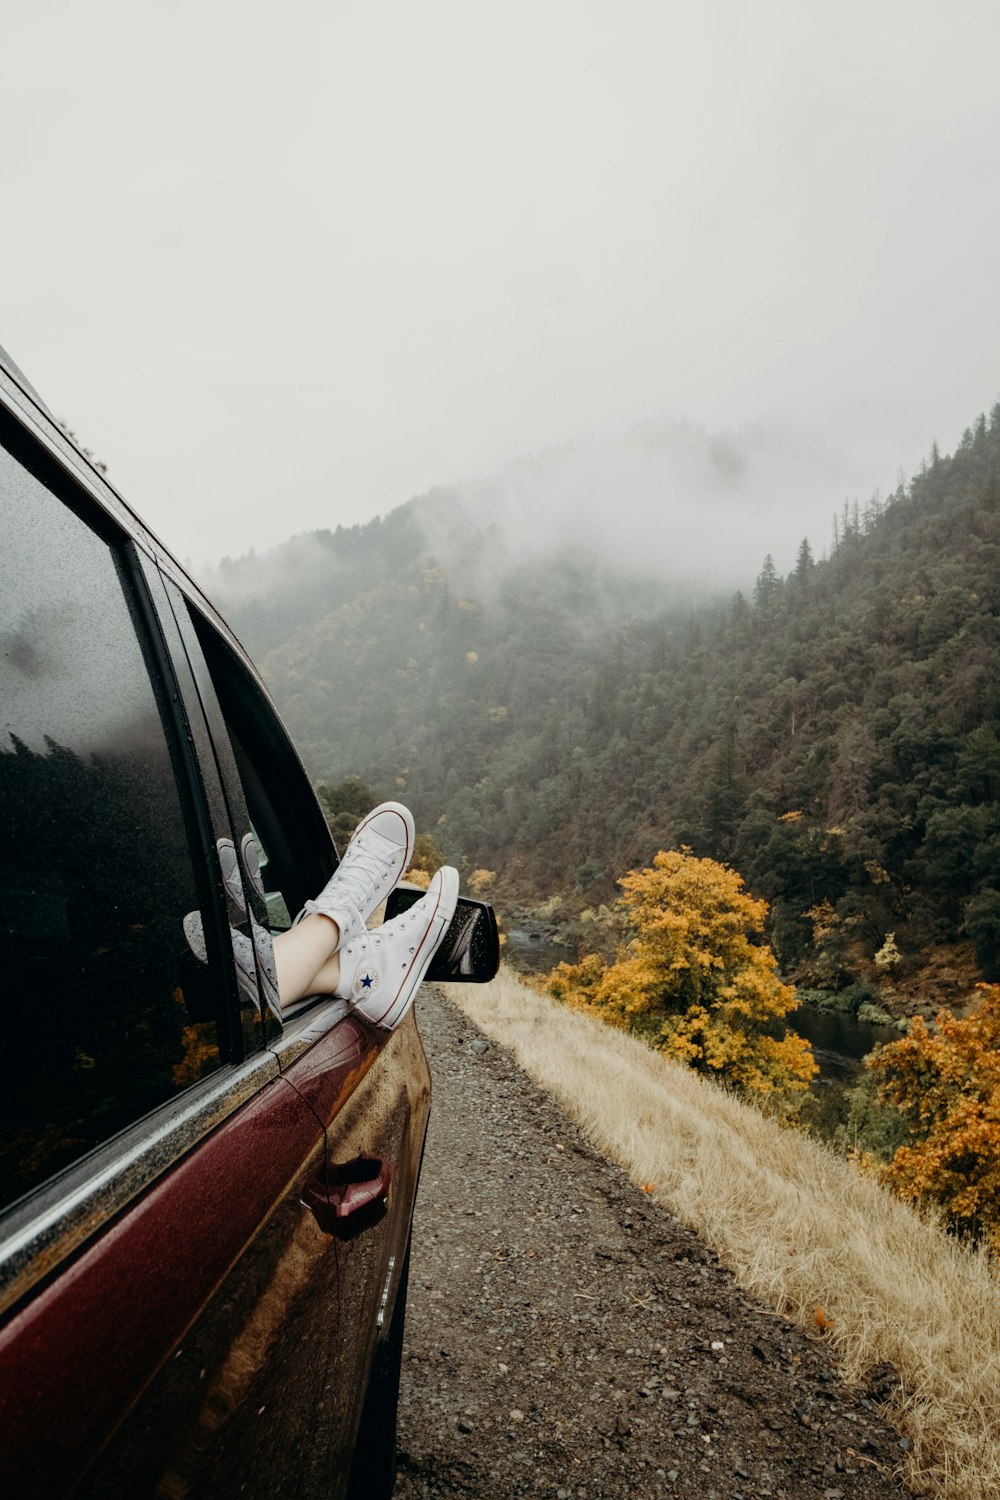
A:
{"x":206,"y":1207}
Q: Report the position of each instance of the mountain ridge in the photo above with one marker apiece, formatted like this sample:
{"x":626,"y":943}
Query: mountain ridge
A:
{"x":555,"y":720}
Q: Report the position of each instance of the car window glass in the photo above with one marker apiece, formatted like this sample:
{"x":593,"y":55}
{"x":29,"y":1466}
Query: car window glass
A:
{"x":96,"y":874}
{"x":291,"y":841}
{"x":245,"y":935}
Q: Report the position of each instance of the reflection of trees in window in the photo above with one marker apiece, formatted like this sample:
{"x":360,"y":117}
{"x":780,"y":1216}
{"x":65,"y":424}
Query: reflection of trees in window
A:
{"x":95,"y":879}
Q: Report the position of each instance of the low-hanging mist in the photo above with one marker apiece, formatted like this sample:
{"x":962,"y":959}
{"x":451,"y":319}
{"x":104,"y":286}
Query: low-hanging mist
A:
{"x":557,"y":714}
{"x":667,"y":501}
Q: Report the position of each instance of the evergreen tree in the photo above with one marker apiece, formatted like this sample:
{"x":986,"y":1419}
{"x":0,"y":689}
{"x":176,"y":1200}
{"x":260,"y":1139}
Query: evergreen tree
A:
{"x":804,"y":563}
{"x":767,"y":586}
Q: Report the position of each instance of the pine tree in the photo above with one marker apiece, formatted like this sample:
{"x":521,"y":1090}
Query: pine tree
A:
{"x":804,"y":563}
{"x":768,"y":585}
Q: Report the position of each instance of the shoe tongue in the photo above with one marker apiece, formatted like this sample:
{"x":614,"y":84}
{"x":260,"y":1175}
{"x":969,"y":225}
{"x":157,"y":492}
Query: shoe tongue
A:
{"x":378,"y":844}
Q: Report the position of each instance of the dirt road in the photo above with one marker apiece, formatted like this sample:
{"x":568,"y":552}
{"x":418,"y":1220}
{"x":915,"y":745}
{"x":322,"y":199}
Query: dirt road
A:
{"x":568,"y":1338}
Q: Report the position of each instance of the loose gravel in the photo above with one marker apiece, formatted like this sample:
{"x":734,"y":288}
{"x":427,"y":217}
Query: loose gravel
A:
{"x":568,"y":1338}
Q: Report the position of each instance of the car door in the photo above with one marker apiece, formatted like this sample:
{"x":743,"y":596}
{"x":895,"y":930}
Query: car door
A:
{"x":376,"y":1112}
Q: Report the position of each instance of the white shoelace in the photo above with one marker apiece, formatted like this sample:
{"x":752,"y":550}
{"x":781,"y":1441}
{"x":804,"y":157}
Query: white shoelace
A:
{"x":368,"y":940}
{"x":363,"y":868}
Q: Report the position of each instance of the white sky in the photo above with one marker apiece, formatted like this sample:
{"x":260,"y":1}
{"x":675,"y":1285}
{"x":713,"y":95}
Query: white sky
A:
{"x":284,"y":266}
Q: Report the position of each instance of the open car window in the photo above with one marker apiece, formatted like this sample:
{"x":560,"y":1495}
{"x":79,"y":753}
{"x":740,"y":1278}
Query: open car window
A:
{"x":289,"y":838}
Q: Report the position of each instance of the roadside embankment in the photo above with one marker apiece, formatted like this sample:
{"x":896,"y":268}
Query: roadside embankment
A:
{"x":569,"y":1337}
{"x":800,"y":1229}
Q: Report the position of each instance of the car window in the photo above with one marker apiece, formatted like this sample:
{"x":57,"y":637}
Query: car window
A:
{"x":291,"y":840}
{"x":246,"y":934}
{"x":96,"y":871}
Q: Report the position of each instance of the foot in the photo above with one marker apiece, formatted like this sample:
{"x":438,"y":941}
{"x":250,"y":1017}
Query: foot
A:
{"x":380,"y":971}
{"x":373,"y":864}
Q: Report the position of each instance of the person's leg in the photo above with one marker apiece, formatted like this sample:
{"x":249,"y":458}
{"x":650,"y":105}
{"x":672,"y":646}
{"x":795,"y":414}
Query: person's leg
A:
{"x":326,"y":981}
{"x":302,"y":954}
{"x":373,"y":863}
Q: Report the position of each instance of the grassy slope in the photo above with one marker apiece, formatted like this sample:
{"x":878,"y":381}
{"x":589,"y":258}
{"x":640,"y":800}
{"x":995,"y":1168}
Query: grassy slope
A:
{"x":800,"y":1228}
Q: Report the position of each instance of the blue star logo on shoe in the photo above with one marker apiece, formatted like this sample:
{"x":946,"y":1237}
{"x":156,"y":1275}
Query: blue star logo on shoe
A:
{"x":366,"y":982}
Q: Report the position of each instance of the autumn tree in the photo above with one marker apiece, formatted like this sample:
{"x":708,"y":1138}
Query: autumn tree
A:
{"x":945,"y":1083}
{"x":694,"y":977}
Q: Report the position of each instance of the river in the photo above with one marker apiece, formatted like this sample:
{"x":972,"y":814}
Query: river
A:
{"x":839,"y":1041}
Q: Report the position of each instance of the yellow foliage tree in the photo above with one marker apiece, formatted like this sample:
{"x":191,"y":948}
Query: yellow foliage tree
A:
{"x":946,"y":1085}
{"x":694,"y":977}
{"x":427,"y":858}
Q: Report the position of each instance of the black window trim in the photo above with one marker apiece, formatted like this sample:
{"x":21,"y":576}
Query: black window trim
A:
{"x":197,"y":815}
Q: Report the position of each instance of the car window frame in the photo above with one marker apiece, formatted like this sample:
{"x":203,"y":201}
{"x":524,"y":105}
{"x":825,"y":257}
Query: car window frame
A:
{"x":311,"y":1019}
{"x":49,"y":1224}
{"x":227,"y":813}
{"x":282,"y":771}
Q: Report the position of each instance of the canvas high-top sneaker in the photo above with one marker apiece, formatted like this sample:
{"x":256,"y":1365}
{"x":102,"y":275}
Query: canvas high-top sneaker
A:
{"x":373,"y":864}
{"x":381,"y":970}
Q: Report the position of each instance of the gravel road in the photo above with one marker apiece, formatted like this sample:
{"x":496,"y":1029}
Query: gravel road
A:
{"x":568,"y":1338}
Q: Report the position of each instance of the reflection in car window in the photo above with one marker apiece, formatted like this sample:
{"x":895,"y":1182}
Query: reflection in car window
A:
{"x":278,"y":915}
{"x":95,"y":869}
{"x":290,"y":837}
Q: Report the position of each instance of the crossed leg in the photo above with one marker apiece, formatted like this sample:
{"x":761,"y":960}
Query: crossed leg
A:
{"x":306,"y":958}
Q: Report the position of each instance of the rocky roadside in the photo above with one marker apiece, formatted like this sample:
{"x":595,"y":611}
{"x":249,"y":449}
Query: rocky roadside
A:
{"x":568,"y":1338}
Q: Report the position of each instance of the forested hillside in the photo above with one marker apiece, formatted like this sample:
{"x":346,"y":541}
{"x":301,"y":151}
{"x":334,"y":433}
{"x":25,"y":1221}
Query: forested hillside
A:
{"x":834,"y":735}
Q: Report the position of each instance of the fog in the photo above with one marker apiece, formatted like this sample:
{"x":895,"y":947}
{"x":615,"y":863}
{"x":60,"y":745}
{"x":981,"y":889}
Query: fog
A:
{"x":283,"y":270}
{"x":670,"y":500}
{"x":666,"y":501}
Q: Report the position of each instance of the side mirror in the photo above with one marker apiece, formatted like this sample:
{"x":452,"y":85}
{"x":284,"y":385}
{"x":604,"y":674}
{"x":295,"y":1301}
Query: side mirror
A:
{"x":470,"y":950}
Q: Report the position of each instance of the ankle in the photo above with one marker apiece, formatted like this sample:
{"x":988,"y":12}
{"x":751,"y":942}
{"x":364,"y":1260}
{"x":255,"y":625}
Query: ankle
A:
{"x":332,"y":926}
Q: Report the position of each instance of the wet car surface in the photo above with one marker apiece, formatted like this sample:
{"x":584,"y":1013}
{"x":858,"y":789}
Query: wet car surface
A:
{"x":183,"y":1308}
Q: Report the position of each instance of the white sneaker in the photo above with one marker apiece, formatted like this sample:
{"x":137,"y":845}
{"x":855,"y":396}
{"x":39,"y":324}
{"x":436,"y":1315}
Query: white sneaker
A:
{"x":380,"y":971}
{"x":373,"y":864}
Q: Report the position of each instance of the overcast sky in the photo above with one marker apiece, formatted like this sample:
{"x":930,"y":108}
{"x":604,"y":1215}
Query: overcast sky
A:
{"x":285,"y":266}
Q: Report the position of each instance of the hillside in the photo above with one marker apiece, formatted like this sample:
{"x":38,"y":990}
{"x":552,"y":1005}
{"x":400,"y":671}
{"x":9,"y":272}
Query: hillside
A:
{"x":557,"y":720}
{"x":901,"y":1306}
{"x":597,"y":1343}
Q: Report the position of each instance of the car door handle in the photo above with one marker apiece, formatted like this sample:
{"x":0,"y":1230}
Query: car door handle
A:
{"x":350,"y":1194}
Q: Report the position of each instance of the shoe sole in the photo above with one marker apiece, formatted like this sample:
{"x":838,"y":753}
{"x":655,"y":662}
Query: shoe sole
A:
{"x":436,"y":928}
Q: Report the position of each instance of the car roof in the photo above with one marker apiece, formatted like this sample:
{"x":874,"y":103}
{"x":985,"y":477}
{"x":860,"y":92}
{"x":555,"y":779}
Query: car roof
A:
{"x":18,"y":375}
{"x":19,"y":395}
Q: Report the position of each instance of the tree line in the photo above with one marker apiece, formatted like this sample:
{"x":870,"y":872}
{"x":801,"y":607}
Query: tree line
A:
{"x":832,"y":734}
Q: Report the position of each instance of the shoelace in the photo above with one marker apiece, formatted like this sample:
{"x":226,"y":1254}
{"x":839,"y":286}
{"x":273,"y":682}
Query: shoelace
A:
{"x":365,"y":868}
{"x":374,"y":939}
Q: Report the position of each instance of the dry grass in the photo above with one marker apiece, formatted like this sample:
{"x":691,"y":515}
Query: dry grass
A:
{"x":798,"y":1226}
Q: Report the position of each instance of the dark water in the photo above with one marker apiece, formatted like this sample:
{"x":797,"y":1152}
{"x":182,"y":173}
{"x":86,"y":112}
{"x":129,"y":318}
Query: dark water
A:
{"x":839,"y":1041}
{"x":533,"y":952}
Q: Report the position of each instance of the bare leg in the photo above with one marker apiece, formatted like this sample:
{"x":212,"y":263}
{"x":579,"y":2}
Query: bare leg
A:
{"x":326,"y":981}
{"x":303,"y":953}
